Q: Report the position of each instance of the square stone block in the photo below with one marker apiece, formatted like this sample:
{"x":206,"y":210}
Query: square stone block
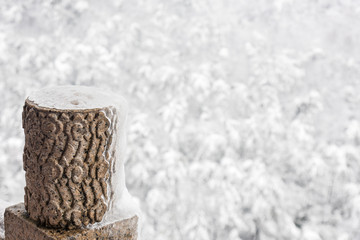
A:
{"x":18,"y":226}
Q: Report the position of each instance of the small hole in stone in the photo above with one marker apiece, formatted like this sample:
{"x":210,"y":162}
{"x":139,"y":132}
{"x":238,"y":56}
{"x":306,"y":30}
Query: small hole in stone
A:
{"x":75,"y":102}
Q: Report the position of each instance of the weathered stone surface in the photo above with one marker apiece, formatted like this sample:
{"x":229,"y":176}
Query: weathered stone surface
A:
{"x":67,"y":157}
{"x":18,"y":226}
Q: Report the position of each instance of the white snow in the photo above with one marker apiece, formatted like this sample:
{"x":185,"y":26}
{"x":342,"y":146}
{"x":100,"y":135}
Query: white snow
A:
{"x":75,"y":97}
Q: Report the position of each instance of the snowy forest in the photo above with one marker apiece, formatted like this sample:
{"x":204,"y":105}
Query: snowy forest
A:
{"x":244,"y":119}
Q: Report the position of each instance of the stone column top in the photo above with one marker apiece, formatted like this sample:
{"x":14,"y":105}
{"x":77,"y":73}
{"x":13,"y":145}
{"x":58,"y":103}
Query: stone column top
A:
{"x":74,"y":157}
{"x":75,"y":98}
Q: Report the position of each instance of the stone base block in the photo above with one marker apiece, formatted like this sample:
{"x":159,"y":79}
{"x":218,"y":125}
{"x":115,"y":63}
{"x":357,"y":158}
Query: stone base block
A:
{"x":18,"y":226}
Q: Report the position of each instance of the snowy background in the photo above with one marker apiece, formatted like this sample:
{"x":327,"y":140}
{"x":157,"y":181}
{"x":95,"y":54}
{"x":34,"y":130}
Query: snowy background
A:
{"x":244,"y":120}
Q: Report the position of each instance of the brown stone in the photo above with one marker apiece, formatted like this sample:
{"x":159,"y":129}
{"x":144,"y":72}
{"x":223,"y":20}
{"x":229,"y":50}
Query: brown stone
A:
{"x":19,"y":226}
{"x":67,"y":158}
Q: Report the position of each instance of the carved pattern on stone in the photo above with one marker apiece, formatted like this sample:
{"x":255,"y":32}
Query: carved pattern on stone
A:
{"x":67,"y":159}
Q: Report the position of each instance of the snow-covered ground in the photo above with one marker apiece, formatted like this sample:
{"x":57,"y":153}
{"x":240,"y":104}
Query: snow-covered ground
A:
{"x":244,"y":117}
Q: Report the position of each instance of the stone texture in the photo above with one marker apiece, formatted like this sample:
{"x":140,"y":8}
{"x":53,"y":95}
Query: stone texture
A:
{"x":67,"y":158}
{"x":18,"y":226}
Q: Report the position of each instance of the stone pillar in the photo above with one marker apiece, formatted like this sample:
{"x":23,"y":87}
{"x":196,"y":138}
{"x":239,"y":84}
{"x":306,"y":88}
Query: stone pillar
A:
{"x":74,"y":170}
{"x":66,"y":159}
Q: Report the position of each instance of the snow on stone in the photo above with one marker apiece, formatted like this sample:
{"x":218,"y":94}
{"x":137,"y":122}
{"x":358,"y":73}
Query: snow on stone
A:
{"x":3,"y":206}
{"x":76,"y":97}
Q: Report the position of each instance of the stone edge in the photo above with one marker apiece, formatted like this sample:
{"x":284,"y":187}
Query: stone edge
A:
{"x":18,"y":213}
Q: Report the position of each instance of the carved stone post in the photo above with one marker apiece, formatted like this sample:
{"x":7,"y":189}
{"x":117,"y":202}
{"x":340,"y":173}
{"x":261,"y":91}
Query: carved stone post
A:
{"x":73,"y":159}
